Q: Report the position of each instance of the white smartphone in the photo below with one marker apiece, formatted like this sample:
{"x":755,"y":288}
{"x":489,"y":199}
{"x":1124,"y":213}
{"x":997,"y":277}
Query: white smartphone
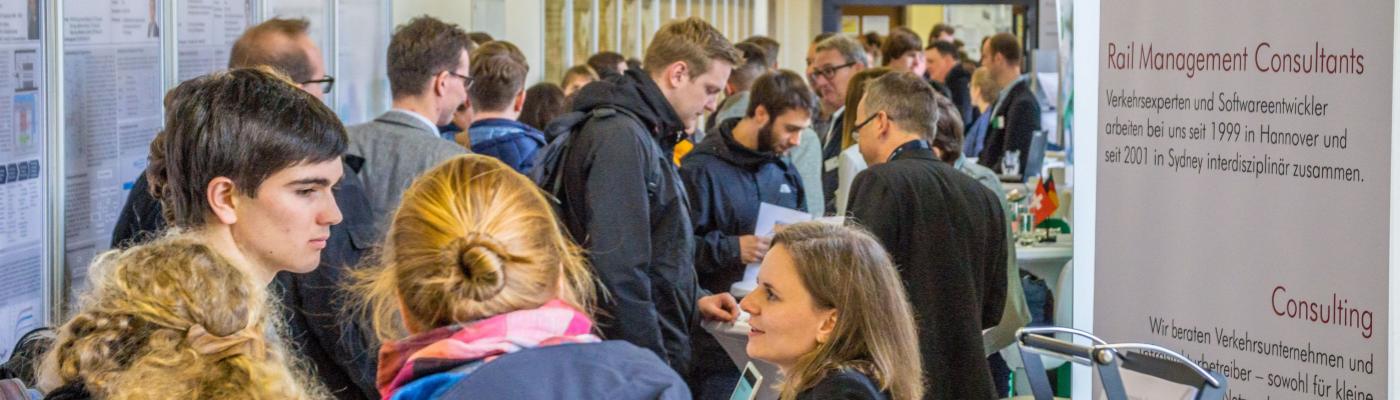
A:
{"x":749,"y":383}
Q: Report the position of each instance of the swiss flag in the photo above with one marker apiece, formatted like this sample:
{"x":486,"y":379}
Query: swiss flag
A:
{"x":1046,"y":201}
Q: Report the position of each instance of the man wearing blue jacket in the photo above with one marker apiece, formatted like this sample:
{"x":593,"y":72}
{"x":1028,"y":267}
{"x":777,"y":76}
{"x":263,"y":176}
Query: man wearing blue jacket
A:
{"x":497,"y":96}
{"x":739,"y":166}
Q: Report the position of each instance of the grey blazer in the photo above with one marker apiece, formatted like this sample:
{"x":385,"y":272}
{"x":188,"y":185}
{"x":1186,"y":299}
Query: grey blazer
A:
{"x":397,"y":148}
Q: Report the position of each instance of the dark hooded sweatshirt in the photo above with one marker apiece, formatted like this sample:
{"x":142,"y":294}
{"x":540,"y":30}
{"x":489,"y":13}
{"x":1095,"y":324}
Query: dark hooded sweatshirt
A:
{"x":726,"y":182}
{"x":623,"y":201}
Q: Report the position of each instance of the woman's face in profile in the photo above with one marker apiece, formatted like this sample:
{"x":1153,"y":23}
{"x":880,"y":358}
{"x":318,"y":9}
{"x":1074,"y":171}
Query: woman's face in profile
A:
{"x":784,"y":319}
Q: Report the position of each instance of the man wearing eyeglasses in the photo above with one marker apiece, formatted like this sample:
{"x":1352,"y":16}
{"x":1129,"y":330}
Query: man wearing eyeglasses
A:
{"x":836,"y":60}
{"x":944,"y":230}
{"x":429,"y":73}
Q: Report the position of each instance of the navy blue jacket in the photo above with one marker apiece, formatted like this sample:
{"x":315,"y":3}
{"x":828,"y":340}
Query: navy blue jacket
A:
{"x":726,"y":182}
{"x":507,"y":140}
{"x":607,"y":370}
{"x":327,"y":339}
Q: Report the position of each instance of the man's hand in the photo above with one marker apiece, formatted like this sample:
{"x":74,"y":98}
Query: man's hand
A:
{"x":752,"y":248}
{"x":719,"y":307}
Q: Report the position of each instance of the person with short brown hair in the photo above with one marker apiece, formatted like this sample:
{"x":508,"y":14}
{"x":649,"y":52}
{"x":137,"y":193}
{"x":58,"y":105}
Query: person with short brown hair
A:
{"x":284,"y":45}
{"x":498,"y":96}
{"x":902,"y":51}
{"x":941,"y":32}
{"x":622,"y":196}
{"x":429,"y":75}
{"x":607,"y":64}
{"x":1016,"y":114}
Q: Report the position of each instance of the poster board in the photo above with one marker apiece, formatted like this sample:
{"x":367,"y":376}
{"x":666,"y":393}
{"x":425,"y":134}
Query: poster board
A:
{"x":208,"y":29}
{"x":1242,"y":189}
{"x":23,"y":168}
{"x":362,"y":82}
{"x":112,"y":90}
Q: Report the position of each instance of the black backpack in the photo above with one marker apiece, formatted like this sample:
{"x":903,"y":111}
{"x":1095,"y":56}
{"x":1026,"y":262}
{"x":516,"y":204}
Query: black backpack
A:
{"x":549,"y":161}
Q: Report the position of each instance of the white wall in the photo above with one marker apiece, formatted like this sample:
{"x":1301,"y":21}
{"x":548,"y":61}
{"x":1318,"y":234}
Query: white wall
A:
{"x":795,"y":23}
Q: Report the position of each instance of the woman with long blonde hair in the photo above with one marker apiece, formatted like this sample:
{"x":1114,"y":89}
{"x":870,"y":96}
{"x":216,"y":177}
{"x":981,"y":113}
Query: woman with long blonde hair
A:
{"x":831,"y":312}
{"x":478,"y":292}
{"x":172,"y":319}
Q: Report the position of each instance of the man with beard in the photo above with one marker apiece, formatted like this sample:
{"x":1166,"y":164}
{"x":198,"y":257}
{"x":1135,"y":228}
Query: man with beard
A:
{"x":739,"y":166}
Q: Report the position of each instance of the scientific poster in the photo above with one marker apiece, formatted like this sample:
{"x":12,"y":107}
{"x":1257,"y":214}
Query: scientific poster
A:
{"x":22,"y":161}
{"x":1244,"y":189}
{"x":208,"y":29}
{"x":112,"y":94}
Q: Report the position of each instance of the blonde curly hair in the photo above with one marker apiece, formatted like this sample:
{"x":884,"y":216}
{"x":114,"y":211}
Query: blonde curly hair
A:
{"x":131,"y":337}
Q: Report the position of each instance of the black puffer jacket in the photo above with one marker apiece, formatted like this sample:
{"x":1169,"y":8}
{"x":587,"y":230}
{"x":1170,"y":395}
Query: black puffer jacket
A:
{"x":623,"y":201}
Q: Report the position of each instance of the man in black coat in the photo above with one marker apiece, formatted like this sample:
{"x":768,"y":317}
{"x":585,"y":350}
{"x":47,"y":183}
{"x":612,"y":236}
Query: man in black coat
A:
{"x":328,"y":339}
{"x":622,"y":197}
{"x":1016,"y":114}
{"x":739,"y":166}
{"x":944,"y":230}
{"x":947,"y":75}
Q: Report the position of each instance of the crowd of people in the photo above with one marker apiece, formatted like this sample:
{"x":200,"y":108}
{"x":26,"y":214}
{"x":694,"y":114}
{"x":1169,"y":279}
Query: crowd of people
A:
{"x":482,"y":239}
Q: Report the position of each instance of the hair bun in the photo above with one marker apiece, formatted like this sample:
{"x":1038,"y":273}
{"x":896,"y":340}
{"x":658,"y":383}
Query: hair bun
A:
{"x":482,"y":259}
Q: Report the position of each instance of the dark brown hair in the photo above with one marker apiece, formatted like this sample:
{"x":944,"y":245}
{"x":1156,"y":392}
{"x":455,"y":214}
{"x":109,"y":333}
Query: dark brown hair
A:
{"x":244,"y":124}
{"x":1007,"y":45}
{"x":755,"y":63}
{"x":420,"y":49}
{"x":498,"y":69}
{"x":948,"y":135}
{"x":605,"y":63}
{"x":691,"y":40}
{"x":938,"y":30}
{"x":255,"y":47}
{"x":480,"y":38}
{"x":780,"y":91}
{"x":543,"y":102}
{"x":900,"y":41}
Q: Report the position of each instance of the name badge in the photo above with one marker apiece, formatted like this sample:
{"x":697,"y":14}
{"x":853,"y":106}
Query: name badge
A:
{"x":996,"y":122}
{"x":832,"y":163}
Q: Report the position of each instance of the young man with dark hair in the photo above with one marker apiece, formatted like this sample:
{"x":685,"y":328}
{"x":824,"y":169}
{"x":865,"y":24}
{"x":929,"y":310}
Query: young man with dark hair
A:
{"x":622,"y":197}
{"x":902,"y":51}
{"x":739,"y":166}
{"x":428,"y":77}
{"x":1016,"y":114}
{"x":498,"y":95}
{"x":332,"y":342}
{"x":944,"y":230}
{"x":607,"y":64}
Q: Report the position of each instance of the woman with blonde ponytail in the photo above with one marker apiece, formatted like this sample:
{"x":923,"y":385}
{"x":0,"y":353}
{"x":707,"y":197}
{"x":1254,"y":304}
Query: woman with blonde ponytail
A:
{"x":170,"y":320}
{"x":480,"y":295}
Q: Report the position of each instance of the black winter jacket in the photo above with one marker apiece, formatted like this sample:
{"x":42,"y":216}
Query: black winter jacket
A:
{"x":623,"y":201}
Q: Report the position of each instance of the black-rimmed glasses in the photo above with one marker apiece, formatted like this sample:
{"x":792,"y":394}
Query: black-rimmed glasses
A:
{"x":326,"y":82}
{"x":466,"y":80}
{"x":828,"y":72}
{"x":867,"y":121}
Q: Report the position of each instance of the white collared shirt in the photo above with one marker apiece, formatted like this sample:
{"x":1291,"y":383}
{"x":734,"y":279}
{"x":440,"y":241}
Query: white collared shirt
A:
{"x":426,"y":122}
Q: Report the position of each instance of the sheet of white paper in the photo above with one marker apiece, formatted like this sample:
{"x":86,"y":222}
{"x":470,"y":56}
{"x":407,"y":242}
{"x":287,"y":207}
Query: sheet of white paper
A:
{"x":770,"y":217}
